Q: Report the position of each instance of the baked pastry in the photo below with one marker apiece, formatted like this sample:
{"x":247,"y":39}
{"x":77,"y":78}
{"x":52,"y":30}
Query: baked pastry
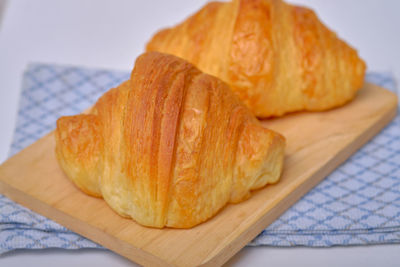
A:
{"x":169,"y":147}
{"x":276,"y":57}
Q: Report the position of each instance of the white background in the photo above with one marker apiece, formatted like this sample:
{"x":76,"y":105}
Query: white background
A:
{"x":111,"y":34}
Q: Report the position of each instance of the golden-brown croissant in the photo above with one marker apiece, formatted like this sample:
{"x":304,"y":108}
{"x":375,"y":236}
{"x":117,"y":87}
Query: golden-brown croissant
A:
{"x":276,"y":57}
{"x":169,"y":147}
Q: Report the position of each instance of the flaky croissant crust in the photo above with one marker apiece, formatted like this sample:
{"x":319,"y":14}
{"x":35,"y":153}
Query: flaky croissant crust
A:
{"x":276,"y":57}
{"x":169,"y":147}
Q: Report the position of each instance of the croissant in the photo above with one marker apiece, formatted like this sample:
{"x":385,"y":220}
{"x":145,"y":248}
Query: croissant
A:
{"x":276,"y":57}
{"x":169,"y":147}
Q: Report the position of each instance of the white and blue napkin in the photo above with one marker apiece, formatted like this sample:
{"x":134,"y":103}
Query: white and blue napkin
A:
{"x":357,"y":204}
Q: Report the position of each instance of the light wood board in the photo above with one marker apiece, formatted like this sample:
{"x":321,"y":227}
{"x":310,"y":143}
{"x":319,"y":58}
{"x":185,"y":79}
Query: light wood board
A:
{"x":316,"y":144}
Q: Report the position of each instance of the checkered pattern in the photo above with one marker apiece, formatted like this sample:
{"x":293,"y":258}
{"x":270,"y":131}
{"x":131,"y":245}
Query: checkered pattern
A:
{"x":359,"y":203}
{"x":48,"y":92}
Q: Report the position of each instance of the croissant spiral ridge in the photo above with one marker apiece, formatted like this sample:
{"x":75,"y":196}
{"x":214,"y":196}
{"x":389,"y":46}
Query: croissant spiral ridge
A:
{"x":276,"y":57}
{"x":169,"y":147}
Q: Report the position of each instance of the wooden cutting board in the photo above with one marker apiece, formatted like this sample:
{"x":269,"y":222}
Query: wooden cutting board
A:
{"x":316,"y":144}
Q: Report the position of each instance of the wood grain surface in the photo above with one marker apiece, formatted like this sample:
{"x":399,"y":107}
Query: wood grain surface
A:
{"x":316,"y":144}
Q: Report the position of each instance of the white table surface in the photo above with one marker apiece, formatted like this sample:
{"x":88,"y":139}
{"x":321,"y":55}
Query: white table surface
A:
{"x":111,"y":34}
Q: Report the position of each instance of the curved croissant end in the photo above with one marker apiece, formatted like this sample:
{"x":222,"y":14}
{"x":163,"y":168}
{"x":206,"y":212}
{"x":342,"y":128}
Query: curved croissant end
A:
{"x":79,"y":144}
{"x":277,"y":58}
{"x":259,"y":161}
{"x":170,"y":147}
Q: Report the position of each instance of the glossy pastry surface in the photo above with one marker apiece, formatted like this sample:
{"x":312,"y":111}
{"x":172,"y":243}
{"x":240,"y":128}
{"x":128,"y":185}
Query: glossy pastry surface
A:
{"x":276,"y":57}
{"x":169,"y":147}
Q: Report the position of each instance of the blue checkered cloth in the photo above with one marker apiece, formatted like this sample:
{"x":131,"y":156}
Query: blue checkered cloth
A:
{"x":358,"y":204}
